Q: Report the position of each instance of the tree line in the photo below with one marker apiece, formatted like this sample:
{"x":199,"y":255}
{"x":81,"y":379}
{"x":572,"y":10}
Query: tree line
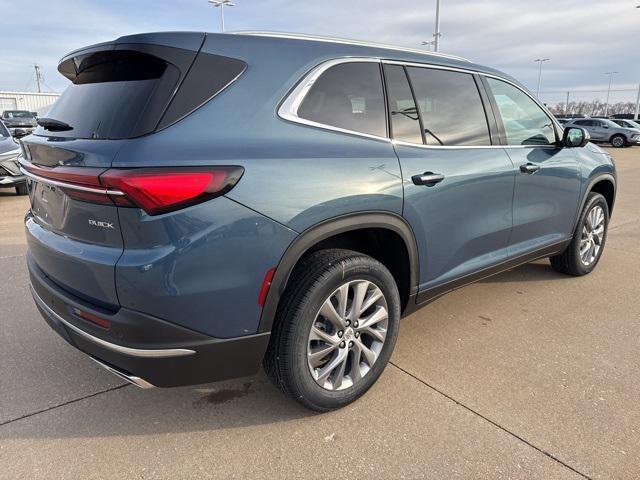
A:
{"x":593,"y":108}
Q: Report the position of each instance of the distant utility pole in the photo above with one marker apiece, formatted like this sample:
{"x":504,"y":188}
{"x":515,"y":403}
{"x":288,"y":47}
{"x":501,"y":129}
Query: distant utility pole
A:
{"x":635,"y":117}
{"x":606,"y":104}
{"x":566,"y":105}
{"x":38,"y":77}
{"x":221,"y":4}
{"x":437,"y":35}
{"x":540,"y":62}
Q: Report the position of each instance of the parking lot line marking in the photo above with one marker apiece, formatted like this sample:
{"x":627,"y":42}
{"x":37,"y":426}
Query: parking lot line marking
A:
{"x":69,"y":402}
{"x":515,"y":435}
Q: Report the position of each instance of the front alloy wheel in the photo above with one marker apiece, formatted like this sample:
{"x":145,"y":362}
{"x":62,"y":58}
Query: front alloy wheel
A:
{"x":589,"y":237}
{"x":347,"y":335}
{"x":592,"y":235}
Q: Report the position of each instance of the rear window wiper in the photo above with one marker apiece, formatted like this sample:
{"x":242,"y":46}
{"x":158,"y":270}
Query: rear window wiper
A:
{"x":54,"y":125}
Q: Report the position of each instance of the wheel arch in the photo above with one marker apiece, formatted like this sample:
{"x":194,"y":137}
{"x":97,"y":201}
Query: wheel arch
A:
{"x":624,"y":137}
{"x":605,"y":184}
{"x":328,"y":229}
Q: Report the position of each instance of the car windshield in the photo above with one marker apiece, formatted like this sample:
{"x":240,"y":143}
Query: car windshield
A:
{"x":18,"y":114}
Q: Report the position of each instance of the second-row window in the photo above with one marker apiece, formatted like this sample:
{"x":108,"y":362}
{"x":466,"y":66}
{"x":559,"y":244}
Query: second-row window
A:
{"x":426,"y":106}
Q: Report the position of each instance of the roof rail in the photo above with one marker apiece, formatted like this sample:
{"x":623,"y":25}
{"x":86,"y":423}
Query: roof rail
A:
{"x":345,"y":41}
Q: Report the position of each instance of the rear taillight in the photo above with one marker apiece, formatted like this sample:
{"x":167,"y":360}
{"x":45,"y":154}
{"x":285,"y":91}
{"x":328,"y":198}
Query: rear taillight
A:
{"x":162,"y":190}
{"x":155,"y":190}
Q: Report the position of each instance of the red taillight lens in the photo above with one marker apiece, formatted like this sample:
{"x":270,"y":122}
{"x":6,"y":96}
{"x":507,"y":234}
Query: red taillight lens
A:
{"x":163,"y":190}
{"x":155,"y":190}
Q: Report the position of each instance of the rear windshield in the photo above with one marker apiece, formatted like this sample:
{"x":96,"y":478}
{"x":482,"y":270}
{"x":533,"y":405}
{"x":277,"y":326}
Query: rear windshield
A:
{"x":110,"y":94}
{"x":120,"y":94}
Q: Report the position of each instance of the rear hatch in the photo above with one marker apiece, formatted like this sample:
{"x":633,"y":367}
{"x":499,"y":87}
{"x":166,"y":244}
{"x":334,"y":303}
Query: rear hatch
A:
{"x":120,"y":90}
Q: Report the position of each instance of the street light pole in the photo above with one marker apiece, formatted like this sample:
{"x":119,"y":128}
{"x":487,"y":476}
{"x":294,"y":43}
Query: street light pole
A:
{"x":540,"y":62}
{"x":429,"y":43}
{"x":437,"y":35}
{"x":606,"y":104}
{"x":221,"y":4}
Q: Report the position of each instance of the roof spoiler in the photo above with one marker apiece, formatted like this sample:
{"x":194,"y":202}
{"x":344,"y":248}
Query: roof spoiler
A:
{"x":166,"y":45}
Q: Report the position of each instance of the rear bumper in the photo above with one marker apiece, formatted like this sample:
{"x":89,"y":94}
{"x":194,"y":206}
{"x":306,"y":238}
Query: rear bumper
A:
{"x":142,"y":349}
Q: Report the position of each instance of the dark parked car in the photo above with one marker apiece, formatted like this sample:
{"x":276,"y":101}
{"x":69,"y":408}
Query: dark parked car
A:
{"x":203,"y":203}
{"x":10,"y":174}
{"x":19,"y":122}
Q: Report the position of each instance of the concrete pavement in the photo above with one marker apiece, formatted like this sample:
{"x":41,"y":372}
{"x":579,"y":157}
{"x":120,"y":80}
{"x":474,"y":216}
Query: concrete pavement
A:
{"x":529,"y":374}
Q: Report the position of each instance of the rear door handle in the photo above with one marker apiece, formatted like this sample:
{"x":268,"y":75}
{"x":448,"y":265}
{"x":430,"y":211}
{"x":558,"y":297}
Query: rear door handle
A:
{"x":427,"y":178}
{"x":529,"y":168}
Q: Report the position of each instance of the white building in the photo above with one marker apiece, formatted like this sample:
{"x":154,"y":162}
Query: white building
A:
{"x":32,"y":101}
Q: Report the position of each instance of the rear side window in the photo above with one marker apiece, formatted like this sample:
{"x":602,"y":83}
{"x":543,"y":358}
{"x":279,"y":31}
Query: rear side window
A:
{"x":451,"y":107}
{"x":405,"y":121}
{"x":348,"y":96}
{"x":584,"y":123}
{"x":525,"y":123}
{"x":118,"y":94}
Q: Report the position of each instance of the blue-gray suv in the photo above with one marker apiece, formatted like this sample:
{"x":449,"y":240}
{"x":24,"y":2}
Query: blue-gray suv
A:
{"x":202,"y":204}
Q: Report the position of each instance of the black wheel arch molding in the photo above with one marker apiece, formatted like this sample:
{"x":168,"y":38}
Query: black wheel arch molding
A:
{"x":329,"y":228}
{"x":610,"y":177}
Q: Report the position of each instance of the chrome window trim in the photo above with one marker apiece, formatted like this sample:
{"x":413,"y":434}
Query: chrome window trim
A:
{"x":288,"y":109}
{"x":134,"y":352}
{"x":71,"y":186}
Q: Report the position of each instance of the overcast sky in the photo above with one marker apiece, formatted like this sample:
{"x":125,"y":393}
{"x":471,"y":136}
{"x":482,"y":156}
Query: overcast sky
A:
{"x":583,"y":38}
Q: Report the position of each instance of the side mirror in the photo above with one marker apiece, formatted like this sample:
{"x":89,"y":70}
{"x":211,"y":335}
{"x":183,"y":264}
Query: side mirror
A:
{"x":18,"y":133}
{"x":573,"y":137}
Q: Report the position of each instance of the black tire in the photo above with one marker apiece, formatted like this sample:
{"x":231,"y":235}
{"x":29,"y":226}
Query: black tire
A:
{"x":21,"y":189}
{"x":311,"y":283}
{"x":569,"y":261}
{"x":618,"y":141}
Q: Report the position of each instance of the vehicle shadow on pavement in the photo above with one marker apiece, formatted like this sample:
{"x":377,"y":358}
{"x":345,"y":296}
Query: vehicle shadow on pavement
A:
{"x":128,"y":410}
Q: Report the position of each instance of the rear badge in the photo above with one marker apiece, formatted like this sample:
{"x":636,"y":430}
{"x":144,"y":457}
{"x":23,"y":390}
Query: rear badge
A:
{"x":101,"y":224}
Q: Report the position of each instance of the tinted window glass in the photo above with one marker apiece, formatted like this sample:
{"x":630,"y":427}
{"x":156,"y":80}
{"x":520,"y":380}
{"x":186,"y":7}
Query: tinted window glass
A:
{"x":405,"y":122}
{"x":349,"y":96}
{"x":525,"y":123}
{"x":584,"y":123}
{"x":124,"y":93}
{"x":3,"y":130}
{"x":451,"y":108}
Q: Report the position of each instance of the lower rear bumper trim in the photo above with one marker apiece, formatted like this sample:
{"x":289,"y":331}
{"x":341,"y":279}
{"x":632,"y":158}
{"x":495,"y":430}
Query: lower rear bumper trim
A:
{"x":134,"y":352}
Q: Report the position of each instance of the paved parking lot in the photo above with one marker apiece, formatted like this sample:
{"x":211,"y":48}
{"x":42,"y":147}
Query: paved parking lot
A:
{"x":526,"y":375}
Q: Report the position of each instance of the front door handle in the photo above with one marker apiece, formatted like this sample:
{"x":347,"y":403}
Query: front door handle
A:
{"x":427,"y":178}
{"x":529,"y":168}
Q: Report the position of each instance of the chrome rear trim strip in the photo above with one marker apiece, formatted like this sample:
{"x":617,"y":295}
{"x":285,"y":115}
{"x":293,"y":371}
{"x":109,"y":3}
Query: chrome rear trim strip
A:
{"x":137,"y":381}
{"x":134,"y":352}
{"x":71,"y":186}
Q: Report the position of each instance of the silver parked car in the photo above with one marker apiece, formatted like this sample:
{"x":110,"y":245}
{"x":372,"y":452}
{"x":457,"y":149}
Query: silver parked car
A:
{"x":605,"y":130}
{"x":623,"y":122}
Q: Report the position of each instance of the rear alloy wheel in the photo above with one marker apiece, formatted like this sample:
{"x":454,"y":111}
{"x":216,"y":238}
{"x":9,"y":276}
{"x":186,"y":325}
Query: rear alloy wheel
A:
{"x":347,"y":335}
{"x":618,"y":141}
{"x":335,"y":329}
{"x":584,"y":251}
